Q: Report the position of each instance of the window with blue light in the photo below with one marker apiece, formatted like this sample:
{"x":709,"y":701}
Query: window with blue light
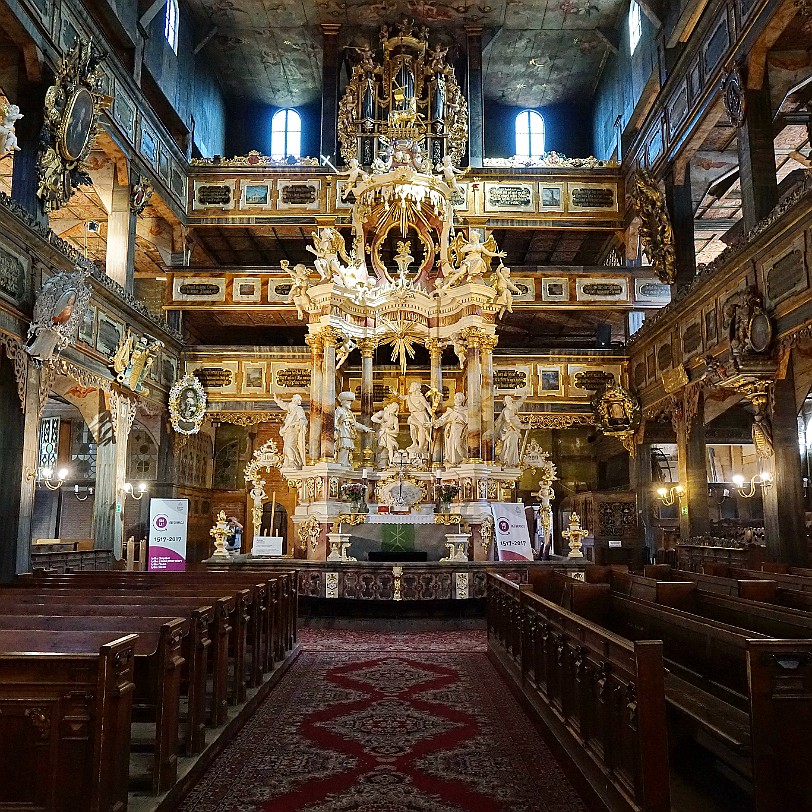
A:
{"x":171,"y":24}
{"x":635,"y":25}
{"x":529,"y":135}
{"x":286,"y":134}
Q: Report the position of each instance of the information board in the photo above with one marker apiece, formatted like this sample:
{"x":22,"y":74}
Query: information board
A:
{"x":512,"y":535}
{"x":168,"y":520}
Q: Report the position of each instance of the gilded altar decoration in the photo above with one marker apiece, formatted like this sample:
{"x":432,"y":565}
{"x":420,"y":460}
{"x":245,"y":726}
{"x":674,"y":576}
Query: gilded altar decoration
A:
{"x":9,"y":116}
{"x":58,"y":311}
{"x":140,"y":195}
{"x":617,"y":413}
{"x":656,"y":235}
{"x":403,"y":88}
{"x":187,"y":405}
{"x":265,"y":458}
{"x":72,"y":108}
{"x":133,"y":359}
{"x":309,"y":532}
{"x":487,"y":531}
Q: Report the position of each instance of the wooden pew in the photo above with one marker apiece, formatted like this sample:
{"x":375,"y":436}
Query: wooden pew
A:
{"x":216,"y":616}
{"x":158,"y":662}
{"x":260,"y":628}
{"x":240,"y":601}
{"x":602,"y":696}
{"x":729,"y":687}
{"x":65,"y":710}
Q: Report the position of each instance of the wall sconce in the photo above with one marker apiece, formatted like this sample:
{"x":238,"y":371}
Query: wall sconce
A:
{"x":670,"y":495}
{"x":88,"y":491}
{"x":719,"y":500}
{"x":45,"y":476}
{"x":130,"y":491}
{"x":765,"y":479}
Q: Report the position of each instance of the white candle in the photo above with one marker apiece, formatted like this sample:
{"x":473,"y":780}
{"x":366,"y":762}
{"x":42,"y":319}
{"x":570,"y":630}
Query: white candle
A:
{"x":365,"y":473}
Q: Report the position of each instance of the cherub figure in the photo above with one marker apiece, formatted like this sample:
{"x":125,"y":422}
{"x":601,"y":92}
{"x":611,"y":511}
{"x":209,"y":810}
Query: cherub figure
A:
{"x":343,"y":350}
{"x":449,"y":172}
{"x":8,"y":137}
{"x":298,"y":296}
{"x":505,"y":288}
{"x":460,"y":350}
{"x":353,"y":174}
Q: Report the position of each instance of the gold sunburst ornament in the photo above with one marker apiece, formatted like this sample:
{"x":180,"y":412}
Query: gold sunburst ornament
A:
{"x":403,"y":336}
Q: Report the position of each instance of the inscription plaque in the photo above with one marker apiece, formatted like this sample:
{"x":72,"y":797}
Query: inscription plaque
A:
{"x":214,"y":195}
{"x":509,"y":196}
{"x":299,"y":194}
{"x":592,"y":197}
{"x":785,"y":276}
{"x":199,"y":289}
{"x":593,"y":379}
{"x":293,"y":378}
{"x":509,"y":379}
{"x":214,"y":377}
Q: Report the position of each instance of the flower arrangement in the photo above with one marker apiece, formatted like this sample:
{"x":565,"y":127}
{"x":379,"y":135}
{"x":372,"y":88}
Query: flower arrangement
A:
{"x":353,"y":491}
{"x":445,"y":493}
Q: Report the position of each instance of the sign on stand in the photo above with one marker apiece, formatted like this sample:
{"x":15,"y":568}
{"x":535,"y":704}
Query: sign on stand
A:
{"x":512,"y":535}
{"x":266,"y":546}
{"x":168,"y":519}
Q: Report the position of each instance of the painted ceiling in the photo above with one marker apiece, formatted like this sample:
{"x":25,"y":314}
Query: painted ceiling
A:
{"x":537,"y":52}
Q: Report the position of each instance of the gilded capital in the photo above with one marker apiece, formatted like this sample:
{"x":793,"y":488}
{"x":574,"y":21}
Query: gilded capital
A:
{"x":435,"y":347}
{"x":367,"y":346}
{"x":316,"y":343}
{"x":488,"y":342}
{"x":331,"y":336}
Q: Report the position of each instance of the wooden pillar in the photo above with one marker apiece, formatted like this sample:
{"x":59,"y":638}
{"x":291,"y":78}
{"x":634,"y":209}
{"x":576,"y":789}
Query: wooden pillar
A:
{"x":784,"y":525}
{"x":694,"y":515}
{"x":641,"y":483}
{"x":367,"y":347}
{"x":474,"y":395}
{"x":435,"y":348}
{"x":487,"y":344}
{"x":18,"y":450}
{"x":120,"y":260}
{"x":329,"y":90}
{"x":316,"y":345}
{"x":476,"y":105}
{"x":328,"y":395}
{"x":759,"y":187}
{"x":681,"y":212}
{"x":106,"y":507}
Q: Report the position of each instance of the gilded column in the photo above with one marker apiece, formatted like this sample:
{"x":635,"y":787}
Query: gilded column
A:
{"x":316,"y":344}
{"x":331,"y":337}
{"x":487,"y":344}
{"x":435,"y":348}
{"x":367,"y":347}
{"x":474,"y":396}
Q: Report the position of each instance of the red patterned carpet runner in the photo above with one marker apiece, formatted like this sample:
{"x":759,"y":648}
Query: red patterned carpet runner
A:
{"x":375,"y":722}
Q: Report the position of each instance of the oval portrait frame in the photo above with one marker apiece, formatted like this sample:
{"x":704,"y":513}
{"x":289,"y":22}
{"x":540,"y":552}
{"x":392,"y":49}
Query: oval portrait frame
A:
{"x":78,"y":123}
{"x":187,"y":405}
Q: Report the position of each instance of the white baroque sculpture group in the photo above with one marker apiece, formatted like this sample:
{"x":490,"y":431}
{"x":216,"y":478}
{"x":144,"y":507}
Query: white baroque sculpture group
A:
{"x":346,"y":429}
{"x":508,"y":432}
{"x":8,"y":137}
{"x":454,"y":422}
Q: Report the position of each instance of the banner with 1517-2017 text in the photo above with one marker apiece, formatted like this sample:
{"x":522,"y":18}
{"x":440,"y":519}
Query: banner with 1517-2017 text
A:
{"x":512,"y":535}
{"x":167,"y":535}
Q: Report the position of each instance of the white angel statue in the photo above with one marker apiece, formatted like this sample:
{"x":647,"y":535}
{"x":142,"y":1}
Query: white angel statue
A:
{"x":8,"y":137}
{"x":505,"y":288}
{"x":298,"y":296}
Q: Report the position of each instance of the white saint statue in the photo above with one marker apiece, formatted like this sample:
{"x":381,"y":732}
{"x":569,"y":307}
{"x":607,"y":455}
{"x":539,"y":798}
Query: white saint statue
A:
{"x":298,"y":296}
{"x":454,"y":422}
{"x":387,"y":434}
{"x":474,"y":253}
{"x":293,"y":432}
{"x":346,"y":429}
{"x":508,"y":432}
{"x":419,"y":421}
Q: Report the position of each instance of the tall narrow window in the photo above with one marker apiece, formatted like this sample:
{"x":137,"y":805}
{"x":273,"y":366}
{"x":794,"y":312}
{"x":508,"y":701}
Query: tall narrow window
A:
{"x":529,"y":135}
{"x":171,"y":24}
{"x":286,"y":134}
{"x":635,"y":25}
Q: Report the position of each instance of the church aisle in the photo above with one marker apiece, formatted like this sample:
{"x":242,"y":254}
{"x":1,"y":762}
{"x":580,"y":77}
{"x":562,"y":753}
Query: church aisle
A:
{"x":371,"y":721}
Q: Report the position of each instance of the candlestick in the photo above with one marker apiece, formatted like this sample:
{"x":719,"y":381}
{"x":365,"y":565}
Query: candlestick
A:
{"x":365,"y":473}
{"x":273,"y":510}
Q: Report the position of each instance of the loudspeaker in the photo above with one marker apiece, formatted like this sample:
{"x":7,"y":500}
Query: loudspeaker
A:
{"x":603,"y":335}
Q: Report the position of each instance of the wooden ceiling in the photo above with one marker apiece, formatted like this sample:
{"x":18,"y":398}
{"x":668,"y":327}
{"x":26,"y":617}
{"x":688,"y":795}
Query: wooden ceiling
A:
{"x":544,"y":51}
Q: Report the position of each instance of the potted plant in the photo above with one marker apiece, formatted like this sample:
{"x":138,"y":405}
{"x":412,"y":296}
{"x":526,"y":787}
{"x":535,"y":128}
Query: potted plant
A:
{"x":354,"y":493}
{"x":445,"y":493}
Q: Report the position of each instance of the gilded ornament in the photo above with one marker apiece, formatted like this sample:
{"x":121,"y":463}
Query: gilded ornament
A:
{"x":309,"y":531}
{"x":140,"y":195}
{"x":133,"y":359}
{"x":187,"y":405}
{"x":72,"y":108}
{"x":656,"y":235}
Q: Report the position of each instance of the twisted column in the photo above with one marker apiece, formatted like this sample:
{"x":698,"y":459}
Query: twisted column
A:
{"x":316,"y":344}
{"x":367,"y":347}
{"x":472,"y":340}
{"x":331,"y":337}
{"x":487,"y":344}
{"x":435,"y":348}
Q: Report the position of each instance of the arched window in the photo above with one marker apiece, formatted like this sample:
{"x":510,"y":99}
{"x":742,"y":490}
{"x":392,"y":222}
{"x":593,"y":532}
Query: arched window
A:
{"x":286,"y":134}
{"x":171,"y":24}
{"x":635,"y":25}
{"x":529,"y":134}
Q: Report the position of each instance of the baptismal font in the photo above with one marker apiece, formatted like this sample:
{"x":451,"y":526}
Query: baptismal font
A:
{"x":449,"y":297}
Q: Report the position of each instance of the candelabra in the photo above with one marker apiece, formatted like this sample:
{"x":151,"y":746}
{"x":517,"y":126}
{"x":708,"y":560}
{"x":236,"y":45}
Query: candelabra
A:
{"x":765,"y":479}
{"x":45,"y":476}
{"x":130,"y":491}
{"x":670,"y":495}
